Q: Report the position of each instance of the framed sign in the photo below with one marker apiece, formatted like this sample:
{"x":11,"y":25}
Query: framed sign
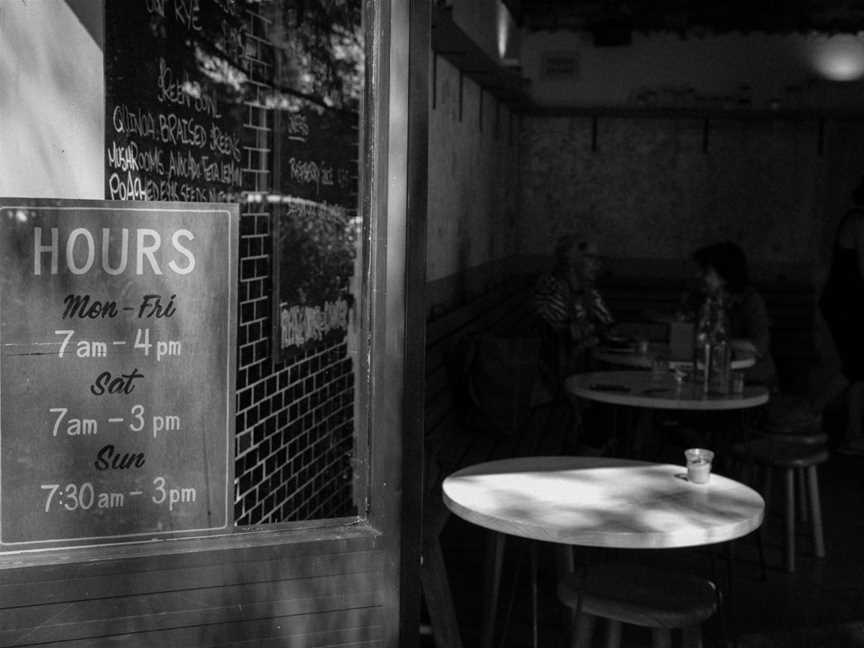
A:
{"x":117,"y":352}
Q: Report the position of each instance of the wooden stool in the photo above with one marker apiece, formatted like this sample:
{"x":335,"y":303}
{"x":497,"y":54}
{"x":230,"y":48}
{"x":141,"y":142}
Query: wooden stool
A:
{"x":650,"y":598}
{"x":793,"y":419}
{"x":791,"y":458}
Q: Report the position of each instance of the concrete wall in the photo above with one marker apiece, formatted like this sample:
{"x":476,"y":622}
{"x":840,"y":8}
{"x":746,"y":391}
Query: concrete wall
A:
{"x":650,"y":193}
{"x":655,"y":189}
{"x":792,"y":70}
{"x":51,"y":88}
{"x":473,"y":186}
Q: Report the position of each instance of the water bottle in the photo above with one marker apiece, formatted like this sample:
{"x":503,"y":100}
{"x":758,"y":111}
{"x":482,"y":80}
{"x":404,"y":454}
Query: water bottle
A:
{"x":720,"y":357}
{"x":702,"y":345}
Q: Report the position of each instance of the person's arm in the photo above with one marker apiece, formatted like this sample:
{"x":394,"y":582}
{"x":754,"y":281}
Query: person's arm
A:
{"x":550,"y":304}
{"x":600,"y":313}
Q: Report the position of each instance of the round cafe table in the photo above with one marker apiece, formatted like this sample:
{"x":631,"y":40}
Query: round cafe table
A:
{"x":598,"y":502}
{"x":654,"y":390}
{"x":630,"y":356}
{"x":646,"y":391}
{"x":602,"y":502}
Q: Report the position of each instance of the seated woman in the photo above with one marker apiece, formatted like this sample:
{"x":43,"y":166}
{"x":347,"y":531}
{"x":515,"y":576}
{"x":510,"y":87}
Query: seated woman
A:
{"x":723,"y":269}
{"x":573,"y":316}
{"x":723,"y":272}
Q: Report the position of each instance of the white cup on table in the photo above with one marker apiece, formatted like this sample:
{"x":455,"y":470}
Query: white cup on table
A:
{"x":698,"y":465}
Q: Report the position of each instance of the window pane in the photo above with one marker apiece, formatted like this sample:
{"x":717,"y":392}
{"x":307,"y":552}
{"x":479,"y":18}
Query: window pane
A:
{"x":260,"y":104}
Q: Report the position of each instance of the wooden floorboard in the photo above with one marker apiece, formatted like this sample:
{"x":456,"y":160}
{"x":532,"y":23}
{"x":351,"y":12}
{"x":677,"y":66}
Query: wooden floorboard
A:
{"x":363,"y":627}
{"x":48,"y":588}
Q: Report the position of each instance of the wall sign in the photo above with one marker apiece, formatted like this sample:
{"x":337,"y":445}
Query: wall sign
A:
{"x":320,"y":79}
{"x":315,"y":231}
{"x":174,"y":100}
{"x":117,"y":351}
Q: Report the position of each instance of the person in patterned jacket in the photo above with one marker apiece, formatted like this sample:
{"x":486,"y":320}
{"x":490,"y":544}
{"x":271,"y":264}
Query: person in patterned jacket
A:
{"x":572,"y":314}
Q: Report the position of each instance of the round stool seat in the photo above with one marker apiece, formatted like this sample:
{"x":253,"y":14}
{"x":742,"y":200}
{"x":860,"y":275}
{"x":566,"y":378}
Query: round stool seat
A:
{"x":640,"y":596}
{"x":806,"y":437}
{"x":771,"y":452}
{"x":793,"y":419}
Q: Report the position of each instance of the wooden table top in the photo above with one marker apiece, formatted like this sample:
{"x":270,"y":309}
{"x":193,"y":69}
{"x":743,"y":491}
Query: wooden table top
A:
{"x":631,"y":357}
{"x":658,"y":391}
{"x":602,"y":502}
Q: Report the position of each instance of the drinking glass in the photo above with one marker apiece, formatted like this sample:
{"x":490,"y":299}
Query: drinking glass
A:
{"x":698,"y":464}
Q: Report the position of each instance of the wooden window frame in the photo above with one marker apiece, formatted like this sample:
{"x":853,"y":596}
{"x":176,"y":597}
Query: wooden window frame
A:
{"x":392,"y":185}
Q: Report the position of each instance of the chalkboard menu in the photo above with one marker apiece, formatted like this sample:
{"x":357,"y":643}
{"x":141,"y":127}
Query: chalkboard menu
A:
{"x":319,"y":154}
{"x":116,"y":370}
{"x":174,"y":100}
{"x":315,"y":232}
{"x":321,"y":75}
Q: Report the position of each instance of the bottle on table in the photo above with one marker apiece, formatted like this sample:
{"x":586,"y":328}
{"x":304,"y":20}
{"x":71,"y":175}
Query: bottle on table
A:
{"x":719,"y":372}
{"x":702,"y":345}
{"x":711,"y":348}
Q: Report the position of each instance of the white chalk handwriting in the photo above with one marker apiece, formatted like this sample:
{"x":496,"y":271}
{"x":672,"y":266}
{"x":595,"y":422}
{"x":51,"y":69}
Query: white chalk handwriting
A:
{"x":185,"y":12}
{"x":173,"y":89}
{"x":301,"y":324}
{"x":311,"y":172}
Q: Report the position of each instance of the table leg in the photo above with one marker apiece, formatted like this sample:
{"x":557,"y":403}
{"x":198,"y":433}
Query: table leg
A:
{"x":726,"y":613}
{"x":534,"y":597}
{"x":494,"y":562}
{"x":789,"y":479}
{"x":691,"y":637}
{"x":643,"y":431}
{"x":439,"y":601}
{"x":581,"y":624}
{"x":583,"y":630}
{"x":613,"y":633}
{"x":661,"y":638}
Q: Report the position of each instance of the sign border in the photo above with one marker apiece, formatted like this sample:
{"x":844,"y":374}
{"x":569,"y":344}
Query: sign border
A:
{"x":231,"y":212}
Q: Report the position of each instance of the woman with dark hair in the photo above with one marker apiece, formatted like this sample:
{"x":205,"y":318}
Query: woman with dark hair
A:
{"x":842,"y":306}
{"x":724,"y":272}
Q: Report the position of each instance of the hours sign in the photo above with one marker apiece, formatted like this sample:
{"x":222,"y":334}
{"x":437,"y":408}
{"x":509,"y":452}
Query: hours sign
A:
{"x":116,"y":370}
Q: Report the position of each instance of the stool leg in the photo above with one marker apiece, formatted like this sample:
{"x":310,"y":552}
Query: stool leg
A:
{"x":691,"y":637}
{"x":583,"y":630}
{"x":789,"y":476}
{"x":661,"y":638}
{"x":535,"y":607}
{"x":816,"y":510}
{"x":802,"y":494}
{"x":494,"y":561}
{"x":613,"y":634}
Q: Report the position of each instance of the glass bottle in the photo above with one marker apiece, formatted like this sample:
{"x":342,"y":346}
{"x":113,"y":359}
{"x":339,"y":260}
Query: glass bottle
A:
{"x":720,"y":355}
{"x":702,"y":345}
